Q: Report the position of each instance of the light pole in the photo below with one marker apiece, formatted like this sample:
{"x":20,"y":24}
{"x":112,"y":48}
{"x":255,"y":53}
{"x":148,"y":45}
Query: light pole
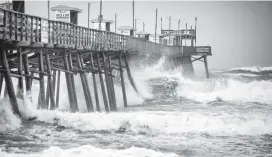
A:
{"x":169,"y":27}
{"x":195,"y":29}
{"x":143,"y":27}
{"x":48,"y":9}
{"x":179,"y":32}
{"x":133,"y":16}
{"x":156,"y":24}
{"x":89,"y":5}
{"x":136,"y":26}
{"x":116,"y":15}
{"x":100,"y":15}
{"x":186,"y":32}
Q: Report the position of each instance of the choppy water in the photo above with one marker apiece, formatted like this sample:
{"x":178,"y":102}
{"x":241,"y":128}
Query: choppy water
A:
{"x":227,"y":115}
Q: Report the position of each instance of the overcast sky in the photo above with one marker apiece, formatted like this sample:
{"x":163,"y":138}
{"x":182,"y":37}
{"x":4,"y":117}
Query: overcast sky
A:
{"x":240,"y":33}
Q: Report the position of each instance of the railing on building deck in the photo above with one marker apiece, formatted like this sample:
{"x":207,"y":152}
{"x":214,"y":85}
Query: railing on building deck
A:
{"x":16,"y":26}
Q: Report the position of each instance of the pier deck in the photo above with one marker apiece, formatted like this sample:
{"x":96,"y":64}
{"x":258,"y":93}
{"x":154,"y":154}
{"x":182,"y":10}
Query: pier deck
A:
{"x":37,"y":48}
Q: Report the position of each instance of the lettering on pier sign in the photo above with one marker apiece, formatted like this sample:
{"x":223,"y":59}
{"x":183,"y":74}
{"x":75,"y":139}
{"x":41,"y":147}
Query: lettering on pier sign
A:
{"x":63,"y":16}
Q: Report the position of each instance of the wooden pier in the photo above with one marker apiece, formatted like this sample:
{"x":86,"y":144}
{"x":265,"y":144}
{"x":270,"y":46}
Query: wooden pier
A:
{"x":34,"y":48}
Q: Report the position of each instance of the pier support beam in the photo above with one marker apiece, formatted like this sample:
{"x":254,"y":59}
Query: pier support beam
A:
{"x":85,"y":85}
{"x":206,"y":67}
{"x":20,"y":90}
{"x":1,"y":82}
{"x":106,"y":72}
{"x":70,"y":61}
{"x":94,"y":83}
{"x":112,"y":84}
{"x":8,"y":79}
{"x":69,"y":84}
{"x":57,"y":92}
{"x":50,"y":85}
{"x":130,"y":78}
{"x":102,"y":83}
{"x":41,"y":77}
{"x":122,"y":80}
{"x":28,"y":81}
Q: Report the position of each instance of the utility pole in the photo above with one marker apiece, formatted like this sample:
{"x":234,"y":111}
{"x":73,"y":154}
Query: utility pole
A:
{"x":186,"y":32}
{"x":89,"y":7}
{"x":100,"y":15}
{"x":169,"y":28}
{"x":143,"y":27}
{"x":179,"y":31}
{"x":161,"y":32}
{"x":133,"y":17}
{"x":48,"y":9}
{"x":195,"y":29}
{"x":156,"y":25}
{"x":115,"y":17}
{"x":161,"y":25}
{"x":135,"y":25}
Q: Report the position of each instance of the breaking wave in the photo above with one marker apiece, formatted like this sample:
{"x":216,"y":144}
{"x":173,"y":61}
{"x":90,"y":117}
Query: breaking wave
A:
{"x":87,"y":150}
{"x":226,"y":89}
{"x":8,"y":121}
{"x":254,"y":69}
{"x":162,"y":122}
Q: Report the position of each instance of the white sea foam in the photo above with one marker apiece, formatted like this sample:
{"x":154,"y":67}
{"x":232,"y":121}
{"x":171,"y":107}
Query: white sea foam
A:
{"x":226,"y":89}
{"x":240,"y":74}
{"x":253,"y":69}
{"x":163,"y":122}
{"x":87,"y":151}
{"x":8,"y":121}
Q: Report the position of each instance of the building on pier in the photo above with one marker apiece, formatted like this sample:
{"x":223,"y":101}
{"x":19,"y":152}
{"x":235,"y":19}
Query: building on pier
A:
{"x":126,"y":30}
{"x":105,"y":24}
{"x":66,"y":14}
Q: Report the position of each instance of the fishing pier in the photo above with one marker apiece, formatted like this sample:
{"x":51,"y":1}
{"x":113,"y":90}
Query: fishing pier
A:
{"x":35,"y":48}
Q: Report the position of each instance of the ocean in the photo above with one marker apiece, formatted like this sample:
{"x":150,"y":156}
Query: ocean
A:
{"x":228,"y":115}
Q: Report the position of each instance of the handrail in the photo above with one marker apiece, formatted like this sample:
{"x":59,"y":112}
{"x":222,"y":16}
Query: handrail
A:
{"x":18,"y":26}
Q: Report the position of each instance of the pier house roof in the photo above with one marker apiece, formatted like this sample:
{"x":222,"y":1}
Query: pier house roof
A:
{"x":65,"y":8}
{"x":125,"y":28}
{"x":143,"y":33}
{"x":102,"y":21}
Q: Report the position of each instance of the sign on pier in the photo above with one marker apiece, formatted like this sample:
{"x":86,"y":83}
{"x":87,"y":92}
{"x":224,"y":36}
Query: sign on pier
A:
{"x":63,"y":16}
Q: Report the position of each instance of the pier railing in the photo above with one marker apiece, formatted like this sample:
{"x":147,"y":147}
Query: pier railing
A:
{"x":16,"y":26}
